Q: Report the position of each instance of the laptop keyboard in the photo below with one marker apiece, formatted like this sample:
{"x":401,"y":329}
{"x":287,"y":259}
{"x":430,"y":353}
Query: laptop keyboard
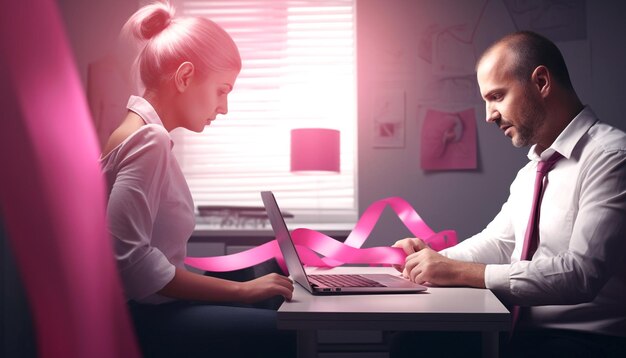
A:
{"x":345,"y":281}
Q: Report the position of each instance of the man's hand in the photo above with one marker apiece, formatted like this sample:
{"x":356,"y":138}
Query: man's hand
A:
{"x":426,"y":265}
{"x":409,"y":245}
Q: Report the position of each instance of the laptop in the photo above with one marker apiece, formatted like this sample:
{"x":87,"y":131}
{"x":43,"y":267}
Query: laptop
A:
{"x":322,"y":284}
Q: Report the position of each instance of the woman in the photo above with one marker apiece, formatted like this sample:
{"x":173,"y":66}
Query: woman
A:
{"x":188,"y":67}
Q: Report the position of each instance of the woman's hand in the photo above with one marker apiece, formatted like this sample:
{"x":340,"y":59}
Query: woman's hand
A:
{"x":265,"y":287}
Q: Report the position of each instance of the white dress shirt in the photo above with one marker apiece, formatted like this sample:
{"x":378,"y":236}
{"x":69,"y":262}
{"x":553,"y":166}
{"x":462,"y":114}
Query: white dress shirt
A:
{"x":577,"y":277}
{"x":150,"y":210}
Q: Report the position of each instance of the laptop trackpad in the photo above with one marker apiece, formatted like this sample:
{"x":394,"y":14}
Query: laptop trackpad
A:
{"x":390,"y":280}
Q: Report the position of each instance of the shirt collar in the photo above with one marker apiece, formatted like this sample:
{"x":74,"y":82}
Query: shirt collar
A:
{"x":569,"y":137}
{"x":144,"y":109}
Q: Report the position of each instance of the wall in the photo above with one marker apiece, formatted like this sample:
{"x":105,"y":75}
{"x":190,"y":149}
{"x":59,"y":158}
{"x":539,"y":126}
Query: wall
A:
{"x":394,"y":42}
{"x":93,"y":26}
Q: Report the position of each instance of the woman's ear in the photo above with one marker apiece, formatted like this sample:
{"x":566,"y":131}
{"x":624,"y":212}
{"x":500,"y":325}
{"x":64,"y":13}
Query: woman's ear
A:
{"x":542,"y":80}
{"x":184,"y":75}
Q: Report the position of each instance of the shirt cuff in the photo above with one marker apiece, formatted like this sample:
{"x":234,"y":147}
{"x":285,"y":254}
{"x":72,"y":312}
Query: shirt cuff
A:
{"x":497,"y":277}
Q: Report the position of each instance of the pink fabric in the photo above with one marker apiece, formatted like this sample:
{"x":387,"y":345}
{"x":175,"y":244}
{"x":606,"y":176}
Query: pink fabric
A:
{"x":309,"y":243}
{"x":52,"y":192}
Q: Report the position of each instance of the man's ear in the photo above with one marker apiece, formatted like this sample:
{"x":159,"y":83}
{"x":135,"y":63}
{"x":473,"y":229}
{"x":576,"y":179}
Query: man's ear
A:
{"x":184,"y":75}
{"x":542,"y":80}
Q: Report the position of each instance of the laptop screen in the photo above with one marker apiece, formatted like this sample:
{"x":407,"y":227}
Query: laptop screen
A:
{"x":287,"y":247}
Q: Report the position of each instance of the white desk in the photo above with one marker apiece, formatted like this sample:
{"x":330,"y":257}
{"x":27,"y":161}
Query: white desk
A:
{"x":437,"y":309}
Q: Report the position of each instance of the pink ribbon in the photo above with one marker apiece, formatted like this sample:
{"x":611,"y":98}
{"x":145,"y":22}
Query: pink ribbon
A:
{"x":310,"y":244}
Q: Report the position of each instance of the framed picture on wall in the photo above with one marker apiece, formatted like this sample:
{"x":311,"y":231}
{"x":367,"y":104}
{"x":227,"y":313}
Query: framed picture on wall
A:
{"x":389,"y":116}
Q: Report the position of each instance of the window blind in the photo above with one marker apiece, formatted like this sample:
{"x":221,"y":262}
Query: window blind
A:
{"x":299,"y":71}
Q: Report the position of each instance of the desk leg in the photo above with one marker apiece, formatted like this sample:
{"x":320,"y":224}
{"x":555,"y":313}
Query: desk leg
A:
{"x":307,"y":344}
{"x":491,"y":340}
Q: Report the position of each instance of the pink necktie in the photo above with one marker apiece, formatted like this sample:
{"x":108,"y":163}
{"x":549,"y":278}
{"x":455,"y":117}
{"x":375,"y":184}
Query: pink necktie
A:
{"x":531,"y":239}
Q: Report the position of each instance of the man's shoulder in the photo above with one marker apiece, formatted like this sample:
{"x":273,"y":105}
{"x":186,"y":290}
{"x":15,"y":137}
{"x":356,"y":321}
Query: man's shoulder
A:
{"x":607,"y":138}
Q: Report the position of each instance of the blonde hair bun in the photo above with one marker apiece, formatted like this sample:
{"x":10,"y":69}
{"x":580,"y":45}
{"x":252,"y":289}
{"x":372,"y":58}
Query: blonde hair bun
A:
{"x":150,"y":20}
{"x":168,"y":41}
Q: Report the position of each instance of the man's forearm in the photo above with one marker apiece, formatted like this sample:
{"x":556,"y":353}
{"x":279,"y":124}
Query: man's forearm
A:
{"x":470,"y":274}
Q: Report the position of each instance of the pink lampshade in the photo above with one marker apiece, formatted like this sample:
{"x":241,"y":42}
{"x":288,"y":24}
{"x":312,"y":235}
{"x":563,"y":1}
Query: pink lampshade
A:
{"x":314,"y":149}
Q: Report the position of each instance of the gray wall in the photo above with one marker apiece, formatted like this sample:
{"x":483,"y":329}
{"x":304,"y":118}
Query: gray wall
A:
{"x":93,"y":26}
{"x":390,"y":34}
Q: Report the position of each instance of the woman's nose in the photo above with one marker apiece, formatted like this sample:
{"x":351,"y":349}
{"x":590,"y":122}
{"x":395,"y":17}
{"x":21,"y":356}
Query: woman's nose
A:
{"x":223,"y":108}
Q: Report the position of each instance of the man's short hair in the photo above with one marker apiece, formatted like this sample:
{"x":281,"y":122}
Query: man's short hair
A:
{"x":531,"y":50}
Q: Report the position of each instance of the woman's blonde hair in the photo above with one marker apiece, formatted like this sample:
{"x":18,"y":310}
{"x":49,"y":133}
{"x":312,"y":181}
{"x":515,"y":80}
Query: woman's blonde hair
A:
{"x":170,"y":41}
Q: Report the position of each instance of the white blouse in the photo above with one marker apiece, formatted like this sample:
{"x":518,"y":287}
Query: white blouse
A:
{"x":150,"y":210}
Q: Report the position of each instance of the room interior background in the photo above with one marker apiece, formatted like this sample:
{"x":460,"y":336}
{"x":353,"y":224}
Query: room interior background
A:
{"x":391,"y":60}
{"x":396,"y":43}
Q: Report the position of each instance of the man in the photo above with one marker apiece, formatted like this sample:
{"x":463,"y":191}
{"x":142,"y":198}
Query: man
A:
{"x":571,"y":292}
